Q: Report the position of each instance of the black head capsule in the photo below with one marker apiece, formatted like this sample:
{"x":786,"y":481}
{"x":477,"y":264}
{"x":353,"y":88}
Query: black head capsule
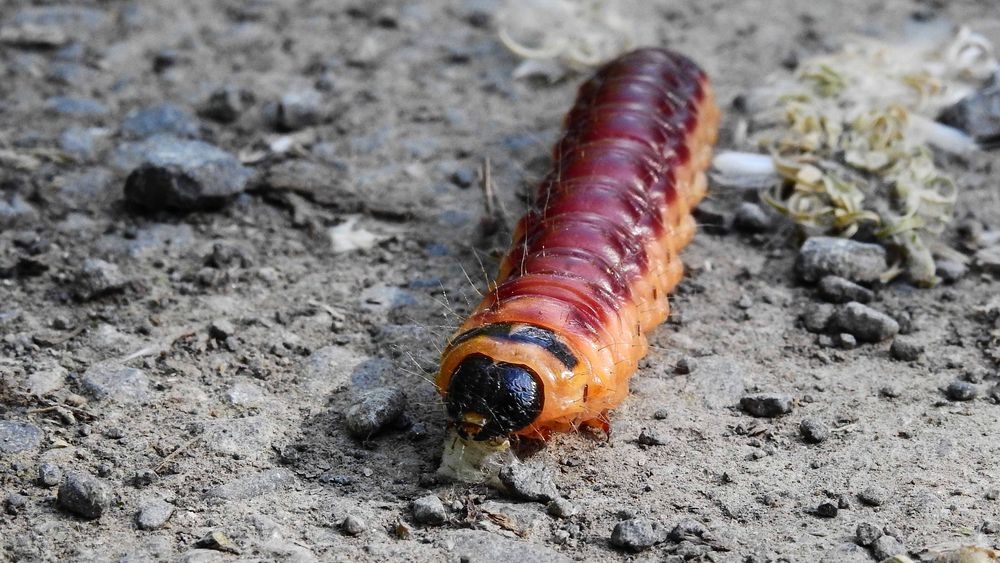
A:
{"x":489,"y":399}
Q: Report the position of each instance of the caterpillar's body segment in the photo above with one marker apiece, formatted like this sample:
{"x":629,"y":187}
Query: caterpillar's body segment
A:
{"x":554,"y":343}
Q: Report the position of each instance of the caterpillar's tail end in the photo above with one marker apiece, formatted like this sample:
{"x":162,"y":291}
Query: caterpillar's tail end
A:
{"x":487,"y":399}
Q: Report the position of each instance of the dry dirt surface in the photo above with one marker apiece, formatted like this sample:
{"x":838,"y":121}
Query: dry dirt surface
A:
{"x":176,"y":384}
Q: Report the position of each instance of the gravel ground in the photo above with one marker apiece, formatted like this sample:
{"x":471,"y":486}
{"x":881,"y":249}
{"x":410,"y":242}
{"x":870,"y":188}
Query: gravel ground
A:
{"x":247,"y":376}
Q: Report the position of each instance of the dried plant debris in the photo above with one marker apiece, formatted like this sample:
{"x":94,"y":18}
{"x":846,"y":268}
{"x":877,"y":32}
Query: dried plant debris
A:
{"x":557,"y":37}
{"x":850,"y":139}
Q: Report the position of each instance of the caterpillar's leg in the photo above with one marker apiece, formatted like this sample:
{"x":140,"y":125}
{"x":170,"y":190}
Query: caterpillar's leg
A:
{"x":598,"y":426}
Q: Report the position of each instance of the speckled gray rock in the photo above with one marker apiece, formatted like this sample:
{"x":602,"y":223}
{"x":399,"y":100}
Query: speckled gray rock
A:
{"x":429,"y":510}
{"x":649,"y":437}
{"x":16,"y":436}
{"x":98,"y":278}
{"x":183,"y":175}
{"x":637,"y":534}
{"x":353,"y":525}
{"x":865,"y":323}
{"x":299,"y":109}
{"x":162,"y":119}
{"x":813,"y":431}
{"x":687,"y":529}
{"x":866,"y":534}
{"x":873,"y":496}
{"x":254,"y":485}
{"x":115,"y":382}
{"x":561,"y":508}
{"x":886,"y":546}
{"x":374,"y":411}
{"x":153,"y":515}
{"x":905,"y":349}
{"x":817,"y":317}
{"x":959,"y":390}
{"x":855,"y":261}
{"x":529,"y":481}
{"x":49,"y":474}
{"x":13,"y":503}
{"x":84,"y":495}
{"x":766,"y":405}
{"x":950,"y":271}
{"x":836,"y":289}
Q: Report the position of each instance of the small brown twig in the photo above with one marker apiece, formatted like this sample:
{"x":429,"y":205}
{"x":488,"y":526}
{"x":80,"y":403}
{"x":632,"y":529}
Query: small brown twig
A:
{"x":174,"y":453}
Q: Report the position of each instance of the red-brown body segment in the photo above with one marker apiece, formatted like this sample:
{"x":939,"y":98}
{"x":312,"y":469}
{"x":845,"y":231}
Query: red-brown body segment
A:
{"x":595,"y":258}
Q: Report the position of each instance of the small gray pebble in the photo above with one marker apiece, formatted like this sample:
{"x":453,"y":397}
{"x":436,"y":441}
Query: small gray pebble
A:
{"x":221,"y":329}
{"x":959,"y":390}
{"x":843,"y":502}
{"x":661,"y":414}
{"x":890,"y":391}
{"x":84,"y":495}
{"x":650,"y":438}
{"x":49,"y":474}
{"x":993,"y":494}
{"x":827,"y":510}
{"x":429,"y":510}
{"x":855,"y":261}
{"x":766,"y":405}
{"x":529,"y":481}
{"x":873,"y":496}
{"x":464,"y":177}
{"x":353,"y":525}
{"x":817,"y":317}
{"x":813,"y":430}
{"x":14,"y":502}
{"x":886,"y":546}
{"x":836,"y":289}
{"x":375,"y":411}
{"x":950,"y":271}
{"x":684,"y":366}
{"x":865,"y":323}
{"x":751,"y":218}
{"x":847,"y":341}
{"x":154,"y":515}
{"x":98,"y":278}
{"x":297,"y":110}
{"x":637,"y":534}
{"x":687,"y":529}
{"x":561,"y":508}
{"x":866,"y":534}
{"x":905,"y":349}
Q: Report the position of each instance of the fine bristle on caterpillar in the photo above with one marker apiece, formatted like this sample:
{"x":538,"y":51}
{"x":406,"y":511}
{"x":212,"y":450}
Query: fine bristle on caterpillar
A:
{"x":552,"y":346}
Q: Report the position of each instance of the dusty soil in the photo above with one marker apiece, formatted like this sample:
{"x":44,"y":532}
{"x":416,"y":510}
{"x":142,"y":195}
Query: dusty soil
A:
{"x":249,"y":336}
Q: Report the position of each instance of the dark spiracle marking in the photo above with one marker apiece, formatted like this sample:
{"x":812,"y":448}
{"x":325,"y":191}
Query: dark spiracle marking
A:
{"x":524,"y":333}
{"x":508,"y":397}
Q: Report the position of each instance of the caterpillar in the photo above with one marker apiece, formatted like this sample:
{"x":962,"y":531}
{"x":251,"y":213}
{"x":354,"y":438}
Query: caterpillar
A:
{"x":552,"y":345}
